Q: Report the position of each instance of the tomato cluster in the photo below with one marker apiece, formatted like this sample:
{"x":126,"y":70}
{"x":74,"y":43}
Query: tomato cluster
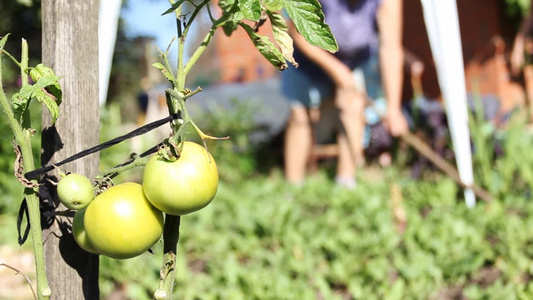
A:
{"x":126,"y":220}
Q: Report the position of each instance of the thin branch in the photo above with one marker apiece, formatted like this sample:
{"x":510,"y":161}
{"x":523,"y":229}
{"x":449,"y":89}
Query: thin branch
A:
{"x":18,"y":272}
{"x":199,"y":51}
{"x":11,"y":57}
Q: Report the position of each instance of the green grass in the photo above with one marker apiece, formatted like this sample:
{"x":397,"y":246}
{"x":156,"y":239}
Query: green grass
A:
{"x":264,"y":239}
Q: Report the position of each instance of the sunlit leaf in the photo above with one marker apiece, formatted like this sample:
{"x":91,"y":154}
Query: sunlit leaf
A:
{"x":282,"y":37}
{"x":266,"y":47}
{"x":251,"y":9}
{"x":308,"y":18}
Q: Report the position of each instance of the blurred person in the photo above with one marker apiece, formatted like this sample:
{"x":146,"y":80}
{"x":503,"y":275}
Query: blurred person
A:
{"x":522,"y":56}
{"x":369,"y":34}
{"x":523,"y":36}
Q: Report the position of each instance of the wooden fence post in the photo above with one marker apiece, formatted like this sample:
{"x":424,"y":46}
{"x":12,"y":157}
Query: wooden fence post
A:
{"x":70,"y":48}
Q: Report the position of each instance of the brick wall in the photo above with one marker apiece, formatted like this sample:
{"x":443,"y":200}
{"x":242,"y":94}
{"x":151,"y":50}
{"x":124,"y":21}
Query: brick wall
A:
{"x":239,"y":60}
{"x":480,"y":20}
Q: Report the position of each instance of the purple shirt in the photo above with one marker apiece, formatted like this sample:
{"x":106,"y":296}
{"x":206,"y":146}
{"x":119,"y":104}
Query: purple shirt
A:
{"x":353,"y":23}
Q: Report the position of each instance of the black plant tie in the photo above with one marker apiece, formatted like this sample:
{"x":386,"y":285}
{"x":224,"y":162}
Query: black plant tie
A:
{"x":23,"y":210}
{"x":139,"y":131}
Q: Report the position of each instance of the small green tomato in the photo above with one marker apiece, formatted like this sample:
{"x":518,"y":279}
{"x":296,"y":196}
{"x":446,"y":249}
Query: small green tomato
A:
{"x":75,"y":191}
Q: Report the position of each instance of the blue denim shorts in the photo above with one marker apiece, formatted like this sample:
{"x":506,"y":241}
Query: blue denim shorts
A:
{"x":304,"y":89}
{"x":301,"y":89}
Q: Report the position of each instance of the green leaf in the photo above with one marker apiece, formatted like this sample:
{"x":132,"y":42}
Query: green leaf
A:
{"x":46,"y":90}
{"x":174,"y":6}
{"x":232,"y":14}
{"x":3,"y":42}
{"x":40,"y":71}
{"x":49,"y":100}
{"x":50,"y":83}
{"x":21,"y":101}
{"x":230,"y":27}
{"x":266,"y":47}
{"x":273,"y":5}
{"x":308,"y":18}
{"x":282,"y":37}
{"x":251,"y":9}
{"x":165,"y":72}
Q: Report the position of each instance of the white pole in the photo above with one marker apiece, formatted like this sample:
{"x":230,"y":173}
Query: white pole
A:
{"x":107,"y":35}
{"x":442,"y":24}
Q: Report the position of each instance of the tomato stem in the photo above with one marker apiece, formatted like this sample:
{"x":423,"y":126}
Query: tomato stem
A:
{"x":22,"y":138}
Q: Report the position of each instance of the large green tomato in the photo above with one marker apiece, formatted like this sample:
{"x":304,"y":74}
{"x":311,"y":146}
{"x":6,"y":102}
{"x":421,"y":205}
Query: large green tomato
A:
{"x":121,"y":223}
{"x":75,"y":191}
{"x":182,"y":186}
{"x":78,"y":231}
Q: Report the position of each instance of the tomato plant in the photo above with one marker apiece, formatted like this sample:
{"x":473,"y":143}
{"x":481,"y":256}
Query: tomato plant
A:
{"x":121,"y":223}
{"x":75,"y":191}
{"x":182,"y":186}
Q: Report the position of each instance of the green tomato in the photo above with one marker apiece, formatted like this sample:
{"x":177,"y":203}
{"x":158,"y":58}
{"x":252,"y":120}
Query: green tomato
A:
{"x":78,"y":231}
{"x":75,"y":191}
{"x":121,"y":223}
{"x":182,"y":186}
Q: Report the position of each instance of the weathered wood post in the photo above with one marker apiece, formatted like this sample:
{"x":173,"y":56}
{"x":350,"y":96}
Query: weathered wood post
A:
{"x":70,"y":48}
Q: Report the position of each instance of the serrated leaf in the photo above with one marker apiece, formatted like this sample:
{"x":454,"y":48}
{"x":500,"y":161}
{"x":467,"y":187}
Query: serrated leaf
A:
{"x":273,"y":5}
{"x":3,"y":42}
{"x":39,"y":71}
{"x":46,"y":90}
{"x":308,"y":18}
{"x":50,"y":83}
{"x":266,"y":47}
{"x":21,"y":101}
{"x":251,"y":9}
{"x":174,"y":6}
{"x":49,"y":100}
{"x":282,"y":37}
{"x":165,"y":72}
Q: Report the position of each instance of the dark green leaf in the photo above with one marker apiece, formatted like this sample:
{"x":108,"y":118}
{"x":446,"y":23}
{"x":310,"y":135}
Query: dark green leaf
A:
{"x":251,"y":9}
{"x":232,"y":15}
{"x":173,"y":7}
{"x":282,"y":37}
{"x":230,"y":27}
{"x":267,"y":48}
{"x":308,"y":18}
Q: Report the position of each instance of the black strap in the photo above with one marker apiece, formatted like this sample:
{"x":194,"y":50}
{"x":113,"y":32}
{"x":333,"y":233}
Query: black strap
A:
{"x":141,"y":130}
{"x":23,"y":211}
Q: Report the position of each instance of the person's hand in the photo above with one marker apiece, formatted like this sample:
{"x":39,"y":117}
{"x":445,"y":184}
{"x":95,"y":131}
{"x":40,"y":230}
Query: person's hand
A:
{"x":396,"y":123}
{"x":517,"y":56}
{"x":349,"y":100}
{"x":343,"y":78}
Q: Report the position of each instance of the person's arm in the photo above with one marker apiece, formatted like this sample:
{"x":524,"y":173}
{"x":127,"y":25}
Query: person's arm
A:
{"x":339,"y":73}
{"x":390,"y":24}
{"x":517,"y":53}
